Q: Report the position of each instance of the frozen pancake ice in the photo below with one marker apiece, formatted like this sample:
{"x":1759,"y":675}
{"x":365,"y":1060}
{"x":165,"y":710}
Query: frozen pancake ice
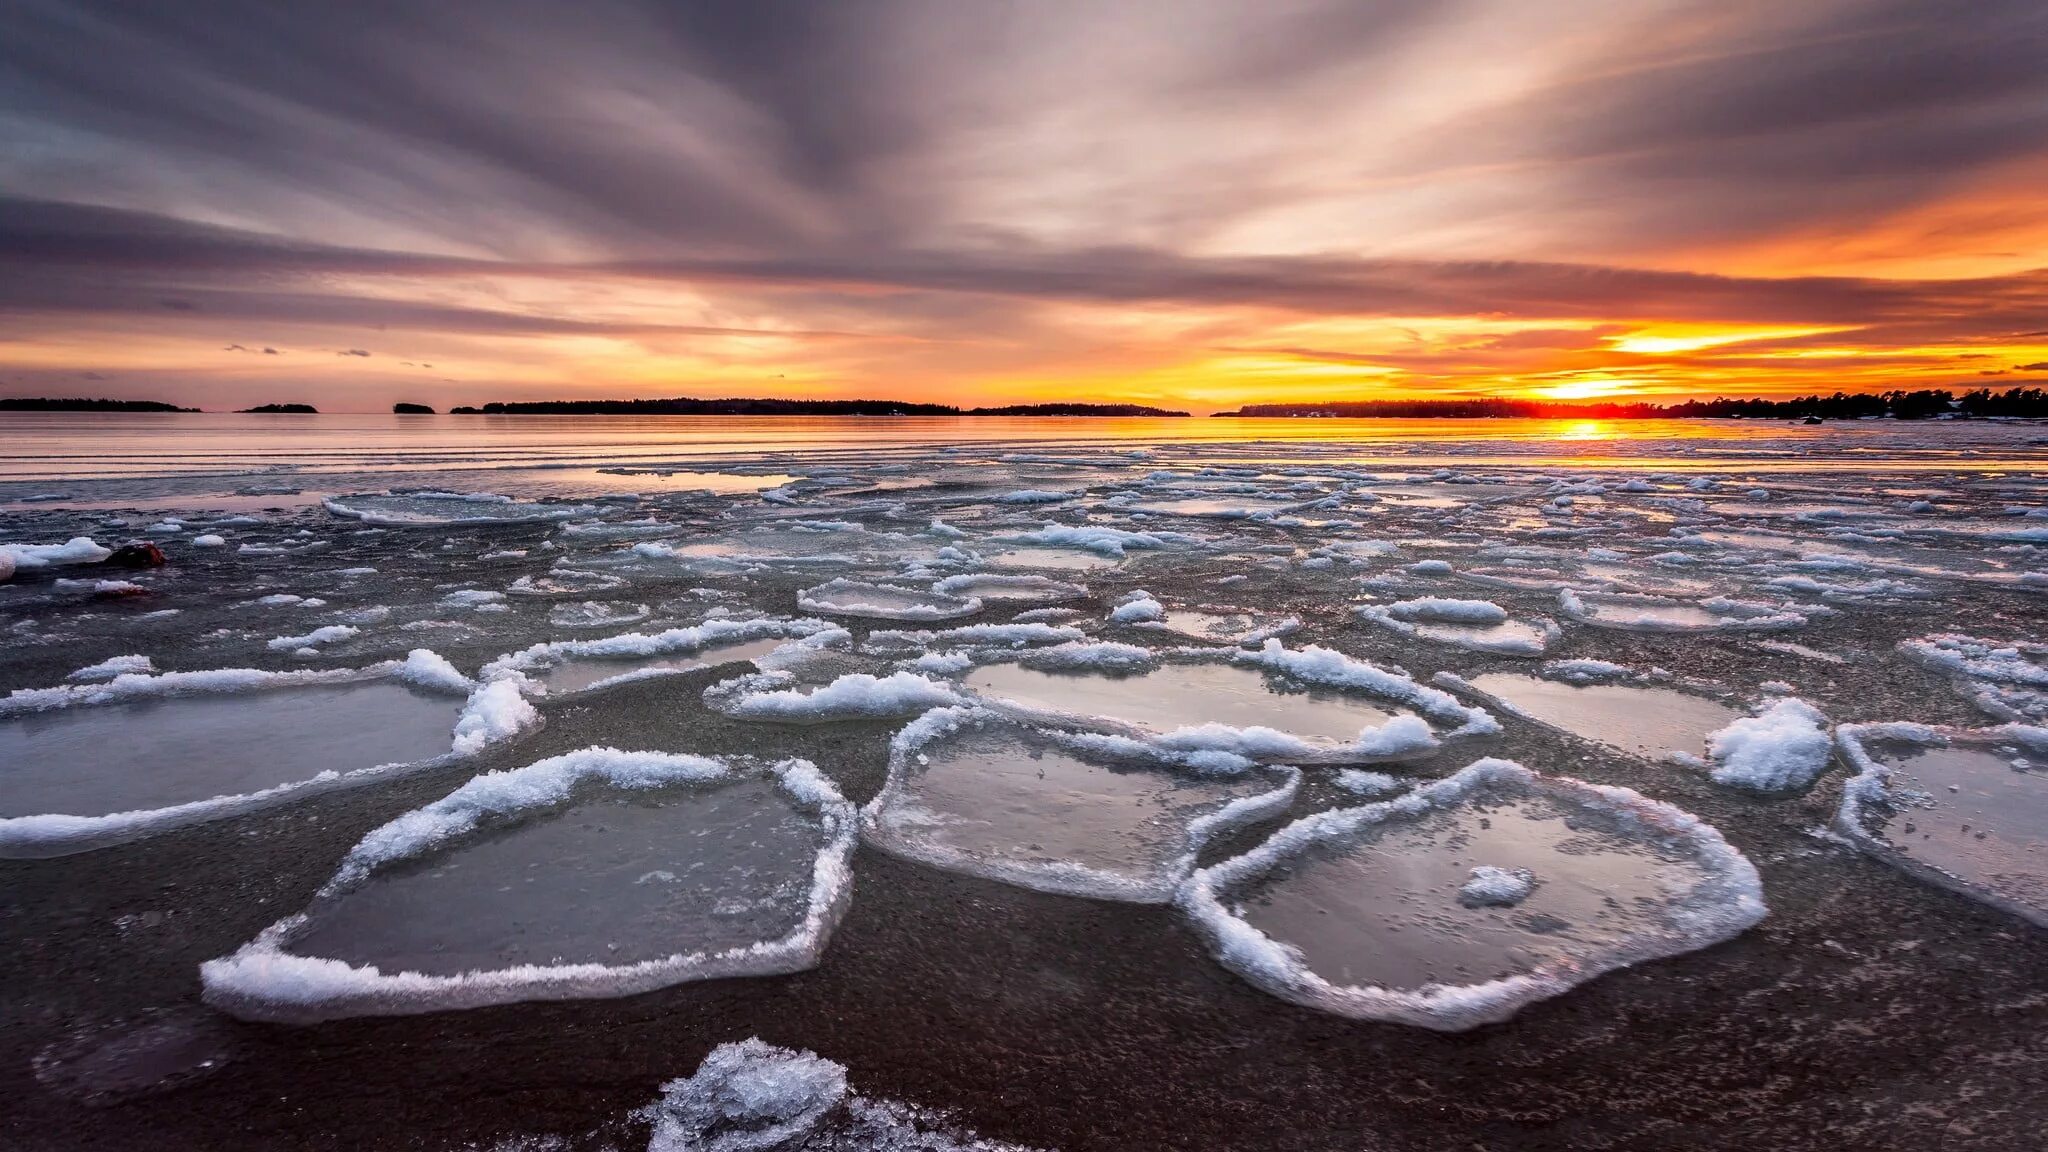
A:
{"x":1476,"y":625}
{"x":843,"y":597}
{"x":1965,"y":810}
{"x":448,"y":509}
{"x":1459,"y":903}
{"x":1193,"y":701}
{"x":755,"y":1097}
{"x":1082,"y":815}
{"x":1653,"y":722}
{"x":568,"y":666}
{"x":88,"y":765}
{"x":1640,"y":612}
{"x":591,"y":874}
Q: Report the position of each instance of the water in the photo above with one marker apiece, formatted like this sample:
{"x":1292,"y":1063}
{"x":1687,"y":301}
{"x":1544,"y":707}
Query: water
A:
{"x":608,"y":882}
{"x":92,"y":760}
{"x":1650,"y":722}
{"x":1176,"y":695}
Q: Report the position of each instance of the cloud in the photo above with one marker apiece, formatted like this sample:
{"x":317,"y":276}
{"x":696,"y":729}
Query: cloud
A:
{"x":352,"y":352}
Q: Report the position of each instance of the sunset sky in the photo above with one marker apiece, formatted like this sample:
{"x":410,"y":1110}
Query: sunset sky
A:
{"x":1184,"y":202}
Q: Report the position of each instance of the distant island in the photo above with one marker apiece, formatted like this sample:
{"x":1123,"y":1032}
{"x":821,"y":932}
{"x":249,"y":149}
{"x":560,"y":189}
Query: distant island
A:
{"x":83,"y":404}
{"x":291,"y":409}
{"x":1923,"y":404}
{"x":411,"y":410}
{"x":686,"y":406}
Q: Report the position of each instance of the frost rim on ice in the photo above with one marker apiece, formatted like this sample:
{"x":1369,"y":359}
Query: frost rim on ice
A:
{"x":261,"y":981}
{"x":1726,"y":902}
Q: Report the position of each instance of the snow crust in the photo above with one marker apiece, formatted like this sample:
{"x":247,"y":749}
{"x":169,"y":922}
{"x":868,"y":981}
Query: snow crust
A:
{"x":1783,"y":748}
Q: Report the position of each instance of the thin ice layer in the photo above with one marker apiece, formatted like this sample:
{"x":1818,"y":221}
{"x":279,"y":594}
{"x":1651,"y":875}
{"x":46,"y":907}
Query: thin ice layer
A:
{"x":1358,"y":911}
{"x":1652,"y":722}
{"x":733,"y":909}
{"x":1098,"y":816}
{"x":1965,"y":810}
{"x":1191,"y":704}
{"x":95,"y":764}
{"x":843,"y":597}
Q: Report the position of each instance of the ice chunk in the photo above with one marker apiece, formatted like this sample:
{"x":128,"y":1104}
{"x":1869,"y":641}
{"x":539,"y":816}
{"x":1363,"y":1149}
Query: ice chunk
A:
{"x":1437,"y":610}
{"x":596,"y":614}
{"x":1965,"y":810}
{"x":209,"y":540}
{"x":1491,"y":887}
{"x":751,"y":1097}
{"x":332,"y":633}
{"x":1103,"y":541}
{"x":418,"y":917}
{"x":1637,"y":612}
{"x":1137,"y":607}
{"x":1105,"y":817}
{"x":1783,"y":748}
{"x":843,"y":597}
{"x":1361,"y":911}
{"x":1652,"y":722}
{"x":111,"y":667}
{"x":1505,"y":638}
{"x":34,"y":557}
{"x":2006,"y":663}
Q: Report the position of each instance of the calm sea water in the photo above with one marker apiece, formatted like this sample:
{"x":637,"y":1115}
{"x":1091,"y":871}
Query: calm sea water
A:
{"x":45,"y":447}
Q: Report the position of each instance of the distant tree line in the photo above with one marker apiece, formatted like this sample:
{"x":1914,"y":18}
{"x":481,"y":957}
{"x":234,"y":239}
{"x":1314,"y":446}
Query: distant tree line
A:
{"x":83,"y":404}
{"x":686,"y":406}
{"x":1920,"y":404}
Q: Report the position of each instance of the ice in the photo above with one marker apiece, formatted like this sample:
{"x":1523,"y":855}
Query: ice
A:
{"x":1103,"y":541}
{"x":2007,"y":663}
{"x":1227,"y":627}
{"x":90,"y":765}
{"x":332,"y":633}
{"x":1435,"y":610}
{"x":1033,"y":496}
{"x":1963,"y":809}
{"x":753,"y":1097}
{"x":596,"y":873}
{"x":1785,"y":747}
{"x":596,"y":614}
{"x":1103,"y":817}
{"x":111,"y":667}
{"x":1137,"y":607}
{"x":990,"y":586}
{"x":1191,"y":703}
{"x":843,"y":597}
{"x":1491,"y":887}
{"x":209,"y":540}
{"x":567,"y":666}
{"x":446,"y":509}
{"x":857,"y":695}
{"x":1328,"y":667}
{"x":993,"y":636}
{"x":1362,"y":911}
{"x":1652,"y":722}
{"x":1638,"y":612}
{"x":1506,"y":638}
{"x":17,"y":558}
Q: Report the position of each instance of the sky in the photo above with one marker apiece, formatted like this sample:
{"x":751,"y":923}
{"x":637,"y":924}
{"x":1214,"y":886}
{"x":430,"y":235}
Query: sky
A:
{"x":1189,"y":203}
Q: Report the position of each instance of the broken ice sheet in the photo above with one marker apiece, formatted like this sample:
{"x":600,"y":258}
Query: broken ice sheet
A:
{"x":90,"y":765}
{"x":754,"y":1097}
{"x":1372,"y":912}
{"x":443,"y":509}
{"x":1106,"y":817}
{"x":1966,"y":810}
{"x":595,"y":873}
{"x":567,"y":666}
{"x":843,"y":597}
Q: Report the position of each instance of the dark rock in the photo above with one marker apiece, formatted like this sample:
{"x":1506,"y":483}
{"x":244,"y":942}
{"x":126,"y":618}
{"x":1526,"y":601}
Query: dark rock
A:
{"x":141,"y":554}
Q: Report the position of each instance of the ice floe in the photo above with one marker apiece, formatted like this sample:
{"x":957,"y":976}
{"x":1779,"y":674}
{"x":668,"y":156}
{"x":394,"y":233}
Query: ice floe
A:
{"x":843,"y":597}
{"x":566,"y":666}
{"x":1367,"y":912}
{"x":1964,"y":809}
{"x":203,"y":745}
{"x":640,"y":870}
{"x":19,"y":558}
{"x":1782,"y":748}
{"x":1071,"y":813}
{"x":856,"y":695}
{"x":448,"y":509}
{"x":1582,"y":698}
